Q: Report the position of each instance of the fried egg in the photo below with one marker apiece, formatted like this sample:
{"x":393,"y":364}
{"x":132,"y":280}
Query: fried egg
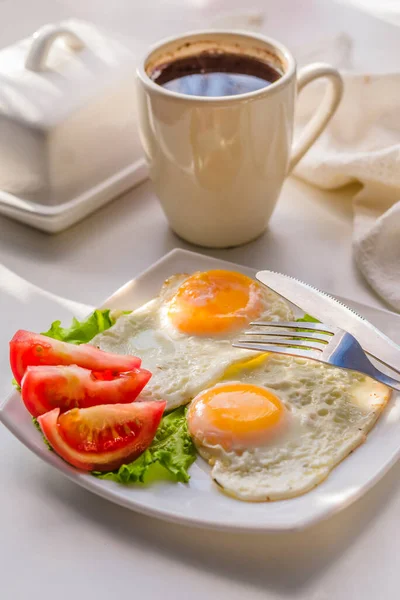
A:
{"x":279,"y":430}
{"x":184,"y":336}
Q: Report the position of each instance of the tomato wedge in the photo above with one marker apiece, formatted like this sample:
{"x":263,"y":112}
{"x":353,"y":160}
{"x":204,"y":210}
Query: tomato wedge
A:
{"x":46,"y":387}
{"x":102,"y":438}
{"x":31,"y":349}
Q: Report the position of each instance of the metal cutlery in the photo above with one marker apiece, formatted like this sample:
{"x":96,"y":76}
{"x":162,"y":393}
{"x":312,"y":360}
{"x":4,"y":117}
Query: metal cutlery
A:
{"x":316,"y":341}
{"x":332,"y":312}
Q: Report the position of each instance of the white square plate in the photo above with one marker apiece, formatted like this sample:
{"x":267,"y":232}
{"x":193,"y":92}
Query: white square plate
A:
{"x":200,"y":503}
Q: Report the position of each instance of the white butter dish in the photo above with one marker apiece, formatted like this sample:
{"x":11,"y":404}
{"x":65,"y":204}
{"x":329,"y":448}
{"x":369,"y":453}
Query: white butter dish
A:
{"x":68,"y":136}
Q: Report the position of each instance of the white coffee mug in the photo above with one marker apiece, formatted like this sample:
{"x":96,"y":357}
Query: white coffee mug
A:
{"x":218,"y":163}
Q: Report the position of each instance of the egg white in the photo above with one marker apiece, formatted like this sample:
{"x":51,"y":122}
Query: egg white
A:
{"x":331,"y":411}
{"x":181,"y":365}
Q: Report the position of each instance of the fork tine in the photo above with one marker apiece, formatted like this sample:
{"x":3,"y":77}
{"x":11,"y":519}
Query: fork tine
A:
{"x":318,"y":337}
{"x":297,"y":325}
{"x":303,"y":352}
{"x":284,"y":342}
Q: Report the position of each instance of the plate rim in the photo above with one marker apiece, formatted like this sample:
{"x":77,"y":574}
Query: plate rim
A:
{"x":95,"y":486}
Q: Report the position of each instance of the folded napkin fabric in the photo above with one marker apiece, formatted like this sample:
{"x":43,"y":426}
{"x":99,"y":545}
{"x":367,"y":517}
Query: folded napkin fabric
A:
{"x":361,"y":144}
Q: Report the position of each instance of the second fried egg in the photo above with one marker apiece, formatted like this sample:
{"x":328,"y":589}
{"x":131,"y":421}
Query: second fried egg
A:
{"x":284,"y":426}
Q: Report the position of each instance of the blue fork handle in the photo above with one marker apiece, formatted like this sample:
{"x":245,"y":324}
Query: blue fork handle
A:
{"x":349,"y":354}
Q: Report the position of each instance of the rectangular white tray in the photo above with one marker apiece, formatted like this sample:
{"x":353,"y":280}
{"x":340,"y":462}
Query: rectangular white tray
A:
{"x":199,"y":503}
{"x":53,"y":219}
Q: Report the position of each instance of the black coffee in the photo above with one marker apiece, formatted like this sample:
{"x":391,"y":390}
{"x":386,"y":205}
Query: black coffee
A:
{"x":215,"y":74}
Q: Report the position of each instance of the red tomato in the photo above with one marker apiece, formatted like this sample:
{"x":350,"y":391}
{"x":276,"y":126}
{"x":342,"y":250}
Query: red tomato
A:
{"x":46,"y":387}
{"x":30,"y":349}
{"x":102,"y":438}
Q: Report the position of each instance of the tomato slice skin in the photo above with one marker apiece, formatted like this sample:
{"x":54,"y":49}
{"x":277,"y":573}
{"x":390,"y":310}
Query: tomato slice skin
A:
{"x":32,"y":349}
{"x":102,"y":438}
{"x":65,"y":387}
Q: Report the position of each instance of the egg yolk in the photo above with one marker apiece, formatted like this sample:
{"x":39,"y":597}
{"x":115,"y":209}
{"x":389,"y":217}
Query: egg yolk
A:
{"x":235,"y":415}
{"x":214,"y":302}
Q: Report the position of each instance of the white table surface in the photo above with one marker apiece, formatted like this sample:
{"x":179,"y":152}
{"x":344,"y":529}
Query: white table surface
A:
{"x":59,"y":541}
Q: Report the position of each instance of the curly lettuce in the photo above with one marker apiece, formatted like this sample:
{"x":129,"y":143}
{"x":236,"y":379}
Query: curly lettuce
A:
{"x":45,"y":441}
{"x":169,"y":456}
{"x":16,"y":384}
{"x":307,"y":319}
{"x":82,"y":332}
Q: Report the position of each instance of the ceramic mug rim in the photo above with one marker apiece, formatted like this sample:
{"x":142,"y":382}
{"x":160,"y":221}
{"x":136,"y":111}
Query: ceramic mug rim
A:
{"x":278,"y":47}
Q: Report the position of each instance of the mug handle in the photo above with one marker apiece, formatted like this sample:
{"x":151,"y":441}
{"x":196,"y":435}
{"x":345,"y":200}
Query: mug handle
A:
{"x":325,"y":111}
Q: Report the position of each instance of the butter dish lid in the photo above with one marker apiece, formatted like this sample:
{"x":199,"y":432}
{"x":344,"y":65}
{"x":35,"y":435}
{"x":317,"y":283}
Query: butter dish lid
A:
{"x":45,"y":77}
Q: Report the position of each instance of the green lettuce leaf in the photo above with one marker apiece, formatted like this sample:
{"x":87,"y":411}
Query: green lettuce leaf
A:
{"x":82,"y":332}
{"x":168,"y":457}
{"x":308,"y":319}
{"x":16,"y":385}
{"x":36,"y":424}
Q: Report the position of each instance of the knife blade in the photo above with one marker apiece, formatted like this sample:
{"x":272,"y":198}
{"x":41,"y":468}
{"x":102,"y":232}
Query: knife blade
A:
{"x":328,"y":310}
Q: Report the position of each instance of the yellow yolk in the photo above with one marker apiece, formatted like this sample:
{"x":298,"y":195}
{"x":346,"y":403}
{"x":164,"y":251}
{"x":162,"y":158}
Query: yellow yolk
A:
{"x":214,"y":302}
{"x":234,"y":371}
{"x":234,"y":415}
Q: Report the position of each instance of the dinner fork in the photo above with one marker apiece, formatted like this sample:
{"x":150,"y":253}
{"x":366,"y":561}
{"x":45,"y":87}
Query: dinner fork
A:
{"x":317,"y":341}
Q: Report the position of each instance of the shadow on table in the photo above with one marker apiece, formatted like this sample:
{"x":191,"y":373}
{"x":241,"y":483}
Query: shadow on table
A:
{"x":123,"y":213}
{"x":113,"y":241}
{"x":132,"y":209}
{"x":281,"y":562}
{"x":107,"y":245}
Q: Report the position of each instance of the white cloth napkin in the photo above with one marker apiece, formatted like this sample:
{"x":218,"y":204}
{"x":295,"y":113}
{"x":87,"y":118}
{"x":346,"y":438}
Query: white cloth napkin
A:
{"x":361,"y":144}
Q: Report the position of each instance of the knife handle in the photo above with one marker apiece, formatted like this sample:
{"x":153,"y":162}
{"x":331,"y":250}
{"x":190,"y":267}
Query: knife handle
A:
{"x":391,"y":367}
{"x":389,"y":381}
